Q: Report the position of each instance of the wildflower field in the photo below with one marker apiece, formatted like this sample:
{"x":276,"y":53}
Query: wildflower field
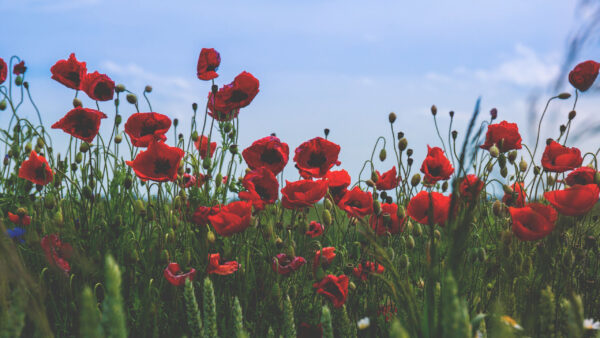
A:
{"x":154,"y":231}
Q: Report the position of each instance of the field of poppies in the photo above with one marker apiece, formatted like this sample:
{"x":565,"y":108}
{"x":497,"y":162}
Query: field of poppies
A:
{"x":136,"y":233}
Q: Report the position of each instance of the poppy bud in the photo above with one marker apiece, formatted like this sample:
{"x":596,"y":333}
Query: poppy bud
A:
{"x":118,"y":138}
{"x":409,"y":152}
{"x":418,"y":230}
{"x":512,"y":156}
{"x":437,"y":234}
{"x":550,"y":180}
{"x":392,"y":117}
{"x":410,"y":242}
{"x":494,"y":151}
{"x":131,"y":98}
{"x":3,"y":105}
{"x":382,"y":155}
{"x":326,"y":132}
{"x":28,"y":147}
{"x":210,"y":237}
{"x":400,"y":135}
{"x":84,"y":147}
{"x":507,"y":189}
{"x":481,"y":255}
{"x":562,"y":128}
{"x":376,"y":207}
{"x":138,"y":206}
{"x":433,"y":110}
{"x":120,"y":88}
{"x":227,"y":127}
{"x":597,"y":178}
{"x":374,"y":176}
{"x":77,"y":103}
{"x":18,"y":80}
{"x":233,"y":149}
{"x":327,"y":217}
{"x":402,"y":144}
{"x":572,"y":114}
{"x":454,"y":134}
{"x":194,"y":106}
{"x":370,"y":183}
{"x":564,"y":96}
{"x":49,"y":202}
{"x":148,"y":89}
{"x":327,"y":203}
{"x":78,"y":157}
{"x":127,"y":182}
{"x":536,"y":170}
{"x":87,"y":192}
{"x":504,"y":172}
{"x":444,"y":186}
{"x":400,"y":212}
{"x":497,"y":208}
{"x":522,"y":165}
{"x":415,"y":180}
{"x":278,"y":242}
{"x":404,"y":261}
{"x":73,"y":167}
{"x":58,"y":218}
{"x":206,"y":163}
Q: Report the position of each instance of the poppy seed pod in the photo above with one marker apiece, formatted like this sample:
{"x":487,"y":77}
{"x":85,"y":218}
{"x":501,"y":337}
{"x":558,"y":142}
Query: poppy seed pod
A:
{"x":409,"y":152}
{"x":392,"y":117}
{"x":415,"y":180}
{"x":326,"y":132}
{"x":562,"y":128}
{"x":564,"y":96}
{"x":131,"y":98}
{"x":194,"y":106}
{"x":402,"y":144}
{"x":77,"y":103}
{"x":18,"y":80}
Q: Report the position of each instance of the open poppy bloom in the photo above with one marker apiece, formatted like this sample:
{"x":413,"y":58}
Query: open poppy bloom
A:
{"x":191,"y":180}
{"x":232,"y":218}
{"x":581,"y":175}
{"x":3,"y":70}
{"x":323,"y":257}
{"x":19,"y":219}
{"x":388,"y":180}
{"x":143,"y":128}
{"x":201,"y":214}
{"x":517,"y":197}
{"x":36,"y":169}
{"x":82,"y":123}
{"x":208,"y":63}
{"x":19,"y":68}
{"x":261,"y":188}
{"x":357,"y":203}
{"x":226,"y":103}
{"x":558,"y":158}
{"x":303,"y":193}
{"x":57,"y":252}
{"x":470,"y":187}
{"x":335,"y":288}
{"x":533,"y":222}
{"x":419,"y":206}
{"x":504,"y":135}
{"x":215,"y":266}
{"x":175,"y":276}
{"x":268,"y":152}
{"x":584,"y":74}
{"x":315,"y":157}
{"x":436,"y":166}
{"x":362,"y":271}
{"x":98,"y":86}
{"x":314,"y":229}
{"x":284,"y":264}
{"x":202,"y":146}
{"x":69,"y":72}
{"x":338,"y":181}
{"x":387,"y":221}
{"x":574,"y":201}
{"x":158,"y":163}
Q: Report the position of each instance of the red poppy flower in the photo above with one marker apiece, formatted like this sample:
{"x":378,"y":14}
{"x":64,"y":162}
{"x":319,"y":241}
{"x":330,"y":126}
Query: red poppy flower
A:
{"x":303,"y":193}
{"x":584,"y":74}
{"x":306,"y":330}
{"x":19,"y":68}
{"x":518,"y":196}
{"x":215,"y":266}
{"x":36,"y":169}
{"x":202,"y":145}
{"x":19,"y":220}
{"x":284,"y":264}
{"x":581,"y":175}
{"x":158,"y":163}
{"x":323,"y":257}
{"x":142,"y":128}
{"x":57,"y":252}
{"x":232,"y":218}
{"x":208,"y":63}
{"x":82,"y":123}
{"x":362,"y":271}
{"x":357,"y":203}
{"x":268,"y":152}
{"x":3,"y":70}
{"x":470,"y":187}
{"x":201,"y":214}
{"x":69,"y":72}
{"x":436,"y":166}
{"x":533,"y":221}
{"x":191,"y":180}
{"x":98,"y":86}
{"x":558,"y":158}
{"x":315,"y":157}
{"x":225,"y":105}
{"x":314,"y":229}
{"x":338,"y":181}
{"x":388,"y":180}
{"x":574,"y":201}
{"x":387,"y":221}
{"x":176,"y":277}
{"x":504,"y":135}
{"x":418,"y":207}
{"x":335,"y":288}
{"x":261,"y":188}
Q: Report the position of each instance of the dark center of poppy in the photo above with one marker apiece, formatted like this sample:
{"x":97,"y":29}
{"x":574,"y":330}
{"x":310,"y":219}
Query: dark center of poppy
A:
{"x":238,"y":96}
{"x":40,"y":172}
{"x":262,"y":192}
{"x":211,"y":67}
{"x":270,"y":156}
{"x":147,"y":129}
{"x":162,"y":166}
{"x":84,"y":126}
{"x":354,"y":204}
{"x":102,"y":90}
{"x":332,"y":289}
{"x":285,"y":261}
{"x":73,"y":77}
{"x":435,"y":171}
{"x":316,"y":159}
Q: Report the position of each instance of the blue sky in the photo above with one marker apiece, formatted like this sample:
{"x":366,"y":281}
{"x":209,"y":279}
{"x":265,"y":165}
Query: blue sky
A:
{"x":343,"y":65}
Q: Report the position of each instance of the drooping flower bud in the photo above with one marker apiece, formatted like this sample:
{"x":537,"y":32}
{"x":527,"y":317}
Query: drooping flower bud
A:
{"x":494,"y":151}
{"x":402,"y":144}
{"x":3,"y":105}
{"x":77,"y":103}
{"x":392,"y":117}
{"x":415,"y":180}
{"x":382,"y":155}
{"x":550,"y":180}
{"x":148,"y":89}
{"x":572,"y":114}
{"x":120,"y":88}
{"x":376,"y":207}
{"x":118,"y":138}
{"x":504,"y":171}
{"x":564,"y":96}
{"x":433,"y":110}
{"x":512,"y":156}
{"x":522,"y":165}
{"x":131,"y":98}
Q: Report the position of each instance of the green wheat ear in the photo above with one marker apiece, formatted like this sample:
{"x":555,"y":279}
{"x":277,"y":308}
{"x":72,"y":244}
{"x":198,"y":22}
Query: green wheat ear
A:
{"x":270,"y":333}
{"x":397,"y":331}
{"x":455,"y":317}
{"x":193,"y":312}
{"x":13,"y":318}
{"x":113,"y":316}
{"x":209,"y":308}
{"x":238,"y":320}
{"x":90,"y":316}
{"x":326,"y":322}
{"x":547,"y":313}
{"x":343,"y":325}
{"x":289,"y":328}
{"x":572,"y":314}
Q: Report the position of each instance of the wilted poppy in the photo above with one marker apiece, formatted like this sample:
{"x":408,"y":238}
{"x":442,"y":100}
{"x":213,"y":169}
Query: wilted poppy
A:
{"x":215,"y":266}
{"x":517,"y":197}
{"x":261,"y":188}
{"x":387,"y":221}
{"x":558,"y":158}
{"x":57,"y":252}
{"x":574,"y":201}
{"x":208,"y":63}
{"x":419,"y":207}
{"x":19,"y":68}
{"x":98,"y":86}
{"x":284,"y":264}
{"x":314,"y":229}
{"x":143,"y":128}
{"x":303,"y":193}
{"x":36,"y":169}
{"x":532,"y":222}
{"x":232,"y":218}
{"x":436,"y":166}
{"x":335,"y":288}
{"x":315,"y":157}
{"x":202,"y":146}
{"x":82,"y":123}
{"x":388,"y":180}
{"x":158,"y":163}
{"x":268,"y":152}
{"x":69,"y":72}
{"x":3,"y":70}
{"x":362,"y":271}
{"x":226,"y":103}
{"x":176,"y":277}
{"x":504,"y":135}
{"x":357,"y":203}
{"x":584,"y":74}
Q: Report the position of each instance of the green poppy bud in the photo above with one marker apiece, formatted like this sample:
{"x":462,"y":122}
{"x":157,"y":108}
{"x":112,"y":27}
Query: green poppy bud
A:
{"x":131,"y":98}
{"x":404,"y":261}
{"x":77,"y":103}
{"x":564,"y":96}
{"x":504,"y":172}
{"x":402,"y":144}
{"x":120,"y":88}
{"x":327,"y":203}
{"x":392,"y":117}
{"x":18,"y":80}
{"x":410,"y":242}
{"x":415,"y":180}
{"x":327,"y":217}
{"x":522,"y":165}
{"x":3,"y":105}
{"x":382,"y":155}
{"x":118,"y":138}
{"x":84,"y":147}
{"x":494,"y":151}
